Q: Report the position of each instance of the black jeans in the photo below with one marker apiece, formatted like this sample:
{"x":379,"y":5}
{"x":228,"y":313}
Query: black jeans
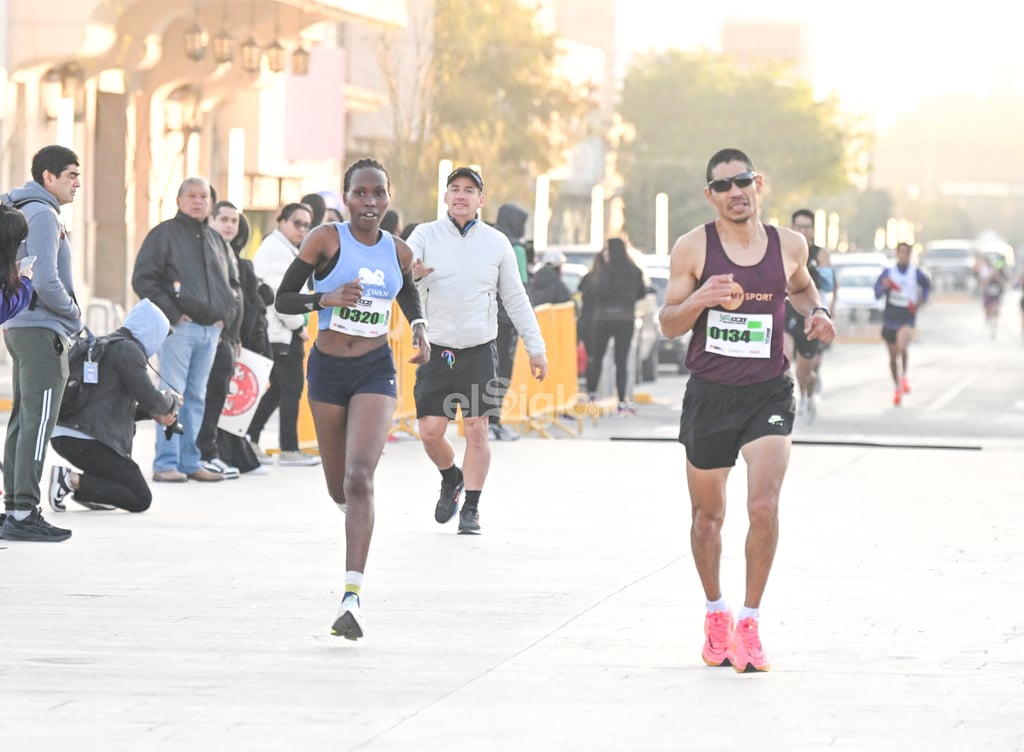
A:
{"x":106,"y":477}
{"x":604,"y":331}
{"x":216,"y":393}
{"x":284,"y":393}
{"x":506,"y":343}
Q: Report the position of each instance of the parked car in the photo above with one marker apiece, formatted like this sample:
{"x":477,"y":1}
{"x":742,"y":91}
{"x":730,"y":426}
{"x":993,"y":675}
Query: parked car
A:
{"x":646,"y":332}
{"x":951,"y":264}
{"x":670,"y":349}
{"x":856,"y":274}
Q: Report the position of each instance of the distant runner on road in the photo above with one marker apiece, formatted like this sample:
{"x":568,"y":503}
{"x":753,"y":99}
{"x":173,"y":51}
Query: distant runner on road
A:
{"x":906,"y":289}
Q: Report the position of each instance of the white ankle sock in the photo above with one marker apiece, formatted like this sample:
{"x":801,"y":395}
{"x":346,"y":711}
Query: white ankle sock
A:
{"x":749,"y":613}
{"x":720,"y":605}
{"x":21,"y":514}
{"x":353,"y":582}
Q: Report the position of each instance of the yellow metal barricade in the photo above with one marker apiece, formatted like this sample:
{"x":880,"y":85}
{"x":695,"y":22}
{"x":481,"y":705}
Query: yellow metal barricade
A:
{"x":530,"y":405}
{"x":539,"y":405}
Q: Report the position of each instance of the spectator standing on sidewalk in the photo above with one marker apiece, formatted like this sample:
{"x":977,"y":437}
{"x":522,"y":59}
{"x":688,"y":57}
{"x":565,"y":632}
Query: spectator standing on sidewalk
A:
{"x":358,"y":272}
{"x":288,"y":337}
{"x":182,"y":268}
{"x":38,"y":340}
{"x":15,"y":276}
{"x":97,"y":436}
{"x":392,"y":222}
{"x":728,"y":283}
{"x":618,"y":285}
{"x":226,"y":226}
{"x":511,"y":221}
{"x":222,"y":452}
{"x":462,"y":264}
{"x":546,"y":286}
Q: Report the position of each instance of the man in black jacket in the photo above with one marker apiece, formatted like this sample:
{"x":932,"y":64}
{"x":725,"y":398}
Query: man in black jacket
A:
{"x":511,"y":221}
{"x":183,"y":268}
{"x":97,"y":435}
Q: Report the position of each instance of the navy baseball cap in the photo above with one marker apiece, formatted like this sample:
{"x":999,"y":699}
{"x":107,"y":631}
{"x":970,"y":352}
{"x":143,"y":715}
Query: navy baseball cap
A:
{"x":466,"y":172}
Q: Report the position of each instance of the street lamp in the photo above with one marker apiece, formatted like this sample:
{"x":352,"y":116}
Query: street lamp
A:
{"x":196,"y":38}
{"x":300,"y":61}
{"x":223,"y":47}
{"x":277,"y":57}
{"x":252,"y":55}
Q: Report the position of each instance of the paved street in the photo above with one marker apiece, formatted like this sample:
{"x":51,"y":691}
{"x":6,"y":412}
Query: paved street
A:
{"x":893,"y":617}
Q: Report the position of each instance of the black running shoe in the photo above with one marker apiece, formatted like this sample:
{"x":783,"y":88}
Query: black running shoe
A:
{"x":469,"y":522}
{"x":448,"y":501}
{"x":32,"y":528}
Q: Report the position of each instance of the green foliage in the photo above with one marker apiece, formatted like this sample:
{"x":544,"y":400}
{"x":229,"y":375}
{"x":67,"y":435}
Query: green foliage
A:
{"x":684,"y":107}
{"x":487,"y":95}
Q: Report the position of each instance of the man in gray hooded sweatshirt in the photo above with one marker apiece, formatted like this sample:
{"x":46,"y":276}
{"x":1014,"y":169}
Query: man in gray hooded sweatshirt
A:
{"x":38,"y":340}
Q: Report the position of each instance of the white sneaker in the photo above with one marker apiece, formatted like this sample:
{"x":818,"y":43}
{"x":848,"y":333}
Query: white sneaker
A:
{"x":60,"y":487}
{"x":219,"y":466}
{"x":263,"y":457}
{"x":349,"y":621}
{"x":297,"y":458}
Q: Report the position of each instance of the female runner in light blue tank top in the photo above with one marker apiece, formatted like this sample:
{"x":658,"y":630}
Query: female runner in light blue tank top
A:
{"x":351,"y":372}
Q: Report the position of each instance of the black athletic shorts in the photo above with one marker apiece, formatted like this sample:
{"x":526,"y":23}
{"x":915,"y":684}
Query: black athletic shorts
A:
{"x":718,"y":420}
{"x":806,"y":348}
{"x":336,"y":380}
{"x":458,"y":378}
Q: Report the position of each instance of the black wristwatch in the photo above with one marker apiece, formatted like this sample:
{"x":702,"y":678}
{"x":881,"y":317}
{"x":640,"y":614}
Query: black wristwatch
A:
{"x":821,"y":308}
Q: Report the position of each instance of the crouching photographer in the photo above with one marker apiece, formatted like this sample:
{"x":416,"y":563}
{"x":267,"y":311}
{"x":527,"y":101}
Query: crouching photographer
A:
{"x":96,"y":435}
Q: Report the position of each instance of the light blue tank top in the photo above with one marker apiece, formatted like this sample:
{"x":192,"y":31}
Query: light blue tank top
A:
{"x":377,"y":268}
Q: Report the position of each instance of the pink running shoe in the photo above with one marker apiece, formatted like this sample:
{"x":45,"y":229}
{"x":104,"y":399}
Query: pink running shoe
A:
{"x":746,"y":653}
{"x":897,"y":398}
{"x":718,"y":627}
{"x":905,"y":385}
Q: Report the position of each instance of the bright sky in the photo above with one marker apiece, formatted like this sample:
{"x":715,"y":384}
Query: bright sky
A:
{"x":880,"y":57}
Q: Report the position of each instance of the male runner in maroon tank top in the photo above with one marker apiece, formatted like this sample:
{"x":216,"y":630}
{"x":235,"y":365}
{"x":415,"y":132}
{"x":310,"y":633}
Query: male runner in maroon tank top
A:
{"x":728,"y":283}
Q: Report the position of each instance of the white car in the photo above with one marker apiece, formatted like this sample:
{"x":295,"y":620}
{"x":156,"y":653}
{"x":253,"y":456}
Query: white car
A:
{"x":856,"y":274}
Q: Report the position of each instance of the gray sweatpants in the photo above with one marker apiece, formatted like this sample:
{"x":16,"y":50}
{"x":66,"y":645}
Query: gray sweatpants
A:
{"x":40,"y":370}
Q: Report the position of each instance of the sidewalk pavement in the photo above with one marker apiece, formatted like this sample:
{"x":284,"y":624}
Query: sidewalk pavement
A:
{"x":893,"y":616}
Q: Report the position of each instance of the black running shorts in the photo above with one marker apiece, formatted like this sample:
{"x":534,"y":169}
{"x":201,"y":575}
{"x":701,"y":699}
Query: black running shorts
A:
{"x":805,"y":348}
{"x":718,"y":420}
{"x":336,"y":380}
{"x":453,"y":378}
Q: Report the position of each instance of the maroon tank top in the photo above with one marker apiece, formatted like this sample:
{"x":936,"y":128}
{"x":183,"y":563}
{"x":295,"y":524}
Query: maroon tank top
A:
{"x":746,"y":342}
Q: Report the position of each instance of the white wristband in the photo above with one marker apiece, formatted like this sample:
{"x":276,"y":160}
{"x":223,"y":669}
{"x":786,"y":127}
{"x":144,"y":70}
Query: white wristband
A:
{"x":414,"y":322}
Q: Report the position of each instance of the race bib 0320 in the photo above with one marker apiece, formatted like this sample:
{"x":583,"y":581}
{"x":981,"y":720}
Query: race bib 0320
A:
{"x":367,"y":318}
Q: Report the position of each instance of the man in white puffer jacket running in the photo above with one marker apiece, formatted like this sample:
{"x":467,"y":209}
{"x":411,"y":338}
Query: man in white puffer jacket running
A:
{"x":462,"y":265}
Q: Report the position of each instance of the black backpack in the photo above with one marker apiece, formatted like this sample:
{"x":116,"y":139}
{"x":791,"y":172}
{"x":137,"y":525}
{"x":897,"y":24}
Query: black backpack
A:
{"x":86,"y":348}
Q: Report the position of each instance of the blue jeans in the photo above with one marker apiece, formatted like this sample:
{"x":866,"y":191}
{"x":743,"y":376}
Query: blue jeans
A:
{"x":186,"y":358}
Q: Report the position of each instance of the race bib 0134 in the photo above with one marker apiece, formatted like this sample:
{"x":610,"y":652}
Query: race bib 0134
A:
{"x":736,"y":335}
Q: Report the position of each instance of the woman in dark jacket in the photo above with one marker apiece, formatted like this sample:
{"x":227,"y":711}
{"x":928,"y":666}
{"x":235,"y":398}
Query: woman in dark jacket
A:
{"x":97,"y":436}
{"x":618,"y":284}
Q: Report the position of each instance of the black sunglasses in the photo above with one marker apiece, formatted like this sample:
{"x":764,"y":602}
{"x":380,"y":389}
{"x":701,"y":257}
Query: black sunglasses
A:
{"x":743,"y":180}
